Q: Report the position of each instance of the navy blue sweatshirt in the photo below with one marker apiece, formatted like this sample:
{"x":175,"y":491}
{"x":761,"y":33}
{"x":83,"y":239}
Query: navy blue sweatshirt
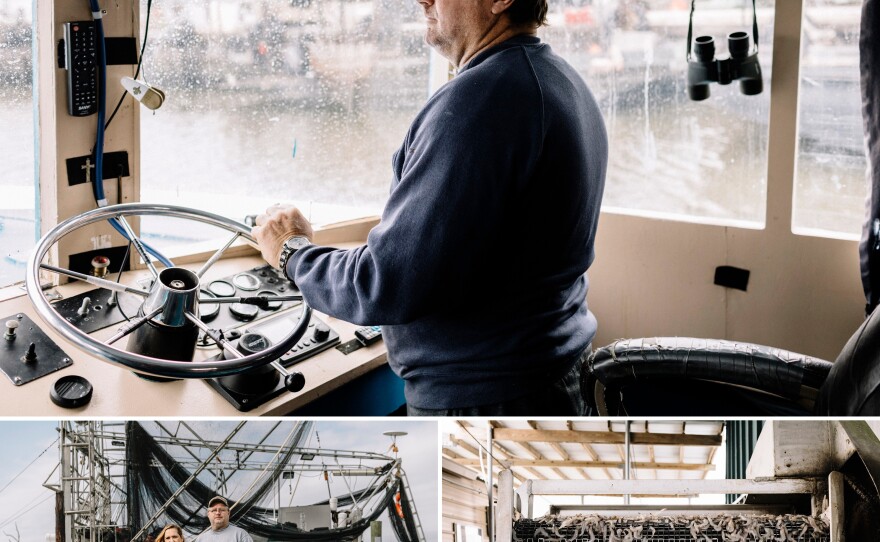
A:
{"x":476,"y":272}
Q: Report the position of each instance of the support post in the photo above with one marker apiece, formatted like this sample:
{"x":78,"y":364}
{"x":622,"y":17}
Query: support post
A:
{"x":504,"y":522}
{"x":835,"y":505}
{"x":627,"y":461}
{"x":490,"y":519}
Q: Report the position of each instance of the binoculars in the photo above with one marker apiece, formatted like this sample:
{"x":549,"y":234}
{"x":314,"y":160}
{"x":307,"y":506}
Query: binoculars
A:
{"x":740,"y":66}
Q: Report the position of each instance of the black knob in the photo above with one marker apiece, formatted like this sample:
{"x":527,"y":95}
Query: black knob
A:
{"x":294,"y":382}
{"x":71,"y":391}
{"x":322,"y":332}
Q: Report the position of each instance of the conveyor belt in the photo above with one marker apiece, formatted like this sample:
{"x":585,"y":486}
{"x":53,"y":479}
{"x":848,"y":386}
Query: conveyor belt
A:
{"x":721,"y":528}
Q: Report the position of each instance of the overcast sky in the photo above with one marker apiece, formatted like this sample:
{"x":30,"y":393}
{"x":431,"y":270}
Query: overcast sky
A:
{"x":27,"y":505}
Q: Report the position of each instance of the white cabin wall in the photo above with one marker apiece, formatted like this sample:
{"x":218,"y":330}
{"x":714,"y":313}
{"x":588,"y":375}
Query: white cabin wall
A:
{"x":62,"y":136}
{"x":655,"y":278}
{"x":465,"y":500}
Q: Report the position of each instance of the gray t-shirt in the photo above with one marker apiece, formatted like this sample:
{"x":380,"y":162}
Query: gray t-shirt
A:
{"x":230,"y":534}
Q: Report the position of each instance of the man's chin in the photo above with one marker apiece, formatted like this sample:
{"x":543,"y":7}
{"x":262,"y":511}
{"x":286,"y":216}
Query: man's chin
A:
{"x":435,"y":41}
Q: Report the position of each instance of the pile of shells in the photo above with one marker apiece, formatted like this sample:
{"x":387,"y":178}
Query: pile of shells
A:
{"x":658,"y":528}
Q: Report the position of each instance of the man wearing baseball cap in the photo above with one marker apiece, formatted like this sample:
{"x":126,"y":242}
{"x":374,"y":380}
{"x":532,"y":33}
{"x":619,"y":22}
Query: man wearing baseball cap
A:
{"x":221,"y":530}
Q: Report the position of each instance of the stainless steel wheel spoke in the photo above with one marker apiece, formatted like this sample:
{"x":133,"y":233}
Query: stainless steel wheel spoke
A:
{"x":103,"y":283}
{"x":270,"y":298}
{"x":226,"y":345}
{"x":236,"y":363}
{"x":213,"y":259}
{"x":280,"y":368}
{"x":133,"y":325}
{"x":138,"y":245}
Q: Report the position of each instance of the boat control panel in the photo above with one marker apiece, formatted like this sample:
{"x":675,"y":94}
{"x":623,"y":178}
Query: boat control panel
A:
{"x":48,"y":372}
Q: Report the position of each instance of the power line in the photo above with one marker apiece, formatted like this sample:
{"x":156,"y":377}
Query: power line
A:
{"x":28,"y":465}
{"x":20,"y":512}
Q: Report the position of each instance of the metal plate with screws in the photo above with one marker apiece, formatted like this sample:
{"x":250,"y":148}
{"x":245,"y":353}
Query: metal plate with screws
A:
{"x":48,"y":356}
{"x":350,"y":346}
{"x":99,"y":312}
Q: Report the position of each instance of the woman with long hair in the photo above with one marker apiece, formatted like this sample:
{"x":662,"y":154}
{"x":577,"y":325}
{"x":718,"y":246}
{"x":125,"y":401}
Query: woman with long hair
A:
{"x":171,"y":533}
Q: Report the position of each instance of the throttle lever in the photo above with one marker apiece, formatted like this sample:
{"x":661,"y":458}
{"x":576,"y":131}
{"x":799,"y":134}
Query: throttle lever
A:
{"x":293,"y":382}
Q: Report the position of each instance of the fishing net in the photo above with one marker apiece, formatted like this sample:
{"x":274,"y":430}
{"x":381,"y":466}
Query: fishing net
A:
{"x":154,"y":476}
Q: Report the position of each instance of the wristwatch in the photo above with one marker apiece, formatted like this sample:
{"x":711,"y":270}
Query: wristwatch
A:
{"x":289,"y":248}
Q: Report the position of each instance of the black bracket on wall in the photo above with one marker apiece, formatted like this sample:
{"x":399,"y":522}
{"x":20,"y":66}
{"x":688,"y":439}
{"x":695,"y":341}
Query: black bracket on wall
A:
{"x":120,"y":51}
{"x":115,"y":165}
{"x":732,"y":277}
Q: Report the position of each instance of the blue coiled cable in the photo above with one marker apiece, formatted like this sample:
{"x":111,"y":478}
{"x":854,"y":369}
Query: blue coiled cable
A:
{"x":98,"y":182}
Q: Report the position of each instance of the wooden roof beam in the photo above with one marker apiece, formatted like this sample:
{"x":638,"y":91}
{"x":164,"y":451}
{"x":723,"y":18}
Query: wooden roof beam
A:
{"x":602,"y":437}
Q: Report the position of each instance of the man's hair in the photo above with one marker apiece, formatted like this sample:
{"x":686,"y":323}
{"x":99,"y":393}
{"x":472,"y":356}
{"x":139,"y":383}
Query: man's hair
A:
{"x":167,"y":528}
{"x":528,"y":12}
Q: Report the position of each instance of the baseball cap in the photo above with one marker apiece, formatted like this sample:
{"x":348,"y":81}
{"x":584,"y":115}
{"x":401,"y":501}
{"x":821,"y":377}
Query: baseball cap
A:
{"x":218,"y":499}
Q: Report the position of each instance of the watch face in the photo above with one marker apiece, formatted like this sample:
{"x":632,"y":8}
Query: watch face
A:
{"x":290,"y":246}
{"x":297,"y":243}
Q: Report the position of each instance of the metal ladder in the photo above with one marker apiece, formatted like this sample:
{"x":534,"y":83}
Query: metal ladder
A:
{"x":404,"y":483}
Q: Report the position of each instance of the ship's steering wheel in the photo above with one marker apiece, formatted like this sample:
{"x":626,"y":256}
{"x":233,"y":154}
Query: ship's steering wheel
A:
{"x":172,"y":296}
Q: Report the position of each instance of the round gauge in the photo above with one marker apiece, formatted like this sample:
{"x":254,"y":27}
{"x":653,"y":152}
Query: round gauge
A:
{"x":221,"y":288}
{"x":273,"y":305}
{"x":71,"y":391}
{"x":244,"y":312}
{"x":251,"y":343}
{"x":246,"y":282}
{"x":208,"y":311}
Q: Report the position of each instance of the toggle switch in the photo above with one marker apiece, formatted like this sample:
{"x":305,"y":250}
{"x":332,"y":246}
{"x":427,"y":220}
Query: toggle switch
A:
{"x":86,"y":306}
{"x":11,"y":326}
{"x":31,"y":355}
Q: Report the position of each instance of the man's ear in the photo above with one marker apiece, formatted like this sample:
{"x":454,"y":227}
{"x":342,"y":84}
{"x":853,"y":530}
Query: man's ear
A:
{"x":500,"y":6}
